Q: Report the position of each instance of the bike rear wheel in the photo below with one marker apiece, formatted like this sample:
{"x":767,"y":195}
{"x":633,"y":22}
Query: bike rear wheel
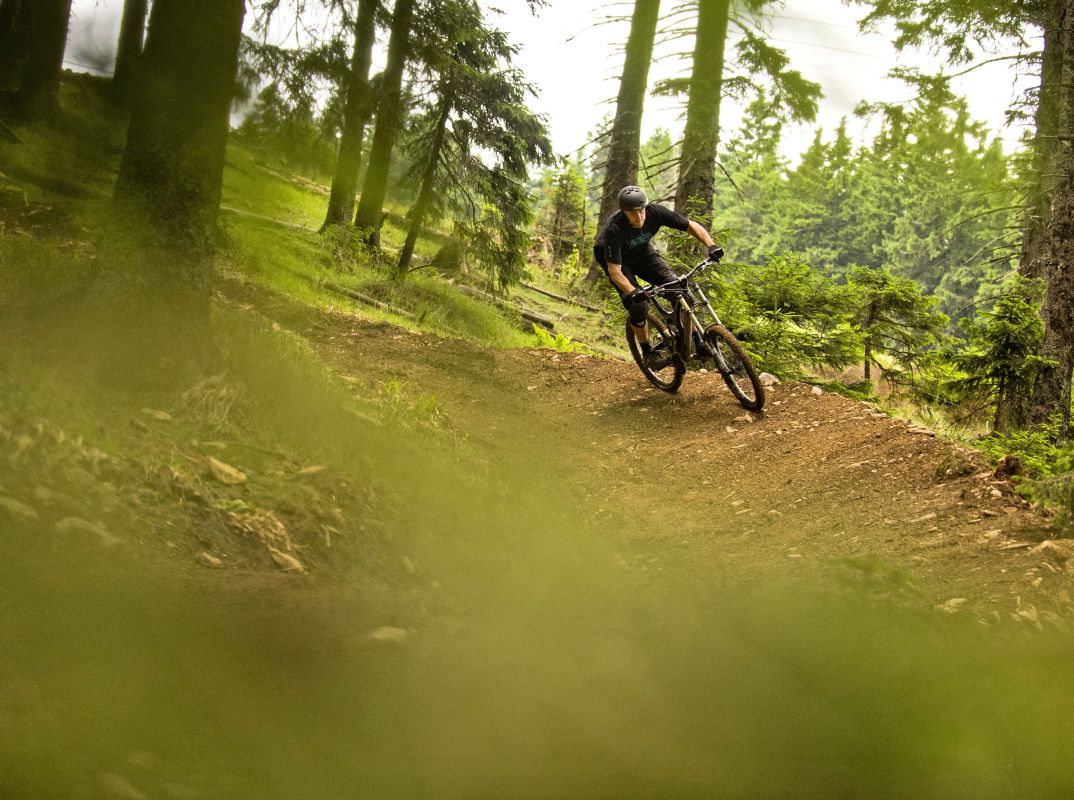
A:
{"x":735,"y":367}
{"x":669,"y":376}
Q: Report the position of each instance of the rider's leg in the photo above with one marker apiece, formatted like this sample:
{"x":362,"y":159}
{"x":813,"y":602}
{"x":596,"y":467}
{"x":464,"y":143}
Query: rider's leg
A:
{"x":638,"y":311}
{"x":655,"y":269}
{"x":641,"y":333}
{"x":638,"y":314}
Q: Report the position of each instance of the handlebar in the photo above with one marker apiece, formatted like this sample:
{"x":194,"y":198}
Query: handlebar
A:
{"x":677,"y":285}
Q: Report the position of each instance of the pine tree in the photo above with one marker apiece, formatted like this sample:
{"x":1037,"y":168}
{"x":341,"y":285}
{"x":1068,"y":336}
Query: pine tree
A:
{"x":1052,"y":388}
{"x":1001,"y":360}
{"x":621,"y":166}
{"x":129,"y":49}
{"x":479,"y":106}
{"x":390,"y":117}
{"x":657,"y":161}
{"x":1044,"y":144}
{"x":9,"y":46}
{"x":356,"y":109}
{"x":170,"y":177}
{"x":697,"y":170}
{"x":566,"y":211}
{"x":33,"y":35}
{"x":895,"y":318}
{"x":756,"y":68}
{"x":1047,"y":241}
{"x":751,"y":204}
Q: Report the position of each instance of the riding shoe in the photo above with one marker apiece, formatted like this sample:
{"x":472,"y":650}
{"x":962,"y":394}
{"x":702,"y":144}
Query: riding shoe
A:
{"x":657,"y":358}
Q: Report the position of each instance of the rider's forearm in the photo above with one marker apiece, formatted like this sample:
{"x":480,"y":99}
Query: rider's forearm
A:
{"x":615,"y":273}
{"x":699,"y":233}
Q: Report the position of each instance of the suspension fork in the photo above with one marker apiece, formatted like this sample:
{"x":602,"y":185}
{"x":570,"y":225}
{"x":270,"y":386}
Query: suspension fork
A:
{"x":708,"y":306}
{"x":720,"y":361}
{"x":686,"y":323}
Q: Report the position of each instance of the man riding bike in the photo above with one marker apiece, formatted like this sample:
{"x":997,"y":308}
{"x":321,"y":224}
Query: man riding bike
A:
{"x":624,"y":250}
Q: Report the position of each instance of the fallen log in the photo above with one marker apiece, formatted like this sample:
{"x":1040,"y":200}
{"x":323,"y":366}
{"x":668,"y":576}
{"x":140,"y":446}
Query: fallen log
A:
{"x":529,"y":316}
{"x":363,"y":298}
{"x":537,"y":319}
{"x":563,"y":299}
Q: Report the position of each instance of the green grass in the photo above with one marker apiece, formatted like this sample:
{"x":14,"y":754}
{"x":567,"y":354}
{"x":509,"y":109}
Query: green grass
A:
{"x":253,"y":187}
{"x":55,"y":198}
{"x":75,"y":158}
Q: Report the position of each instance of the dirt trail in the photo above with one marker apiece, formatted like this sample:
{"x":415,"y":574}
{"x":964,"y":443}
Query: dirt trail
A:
{"x":814,"y":483}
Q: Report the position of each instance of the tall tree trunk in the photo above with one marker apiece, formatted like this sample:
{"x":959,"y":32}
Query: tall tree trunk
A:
{"x":622,"y":164}
{"x":1045,"y":146}
{"x":1051,"y":392}
{"x":697,"y":167}
{"x":168,"y":190}
{"x":38,"y":32}
{"x":129,"y":49}
{"x":375,"y":188}
{"x":9,"y":50}
{"x":417,"y":214}
{"x":355,"y":113}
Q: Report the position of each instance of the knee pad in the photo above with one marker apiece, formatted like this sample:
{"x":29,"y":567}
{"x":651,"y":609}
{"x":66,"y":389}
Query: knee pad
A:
{"x":638,"y":312}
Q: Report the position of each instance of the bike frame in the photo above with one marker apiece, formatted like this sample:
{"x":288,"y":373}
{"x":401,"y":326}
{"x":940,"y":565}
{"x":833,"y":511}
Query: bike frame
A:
{"x":681,"y":317}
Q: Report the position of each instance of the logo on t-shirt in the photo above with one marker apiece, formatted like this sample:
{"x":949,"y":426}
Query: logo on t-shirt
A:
{"x":638,"y":241}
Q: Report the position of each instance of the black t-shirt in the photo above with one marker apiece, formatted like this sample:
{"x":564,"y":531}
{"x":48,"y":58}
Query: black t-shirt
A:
{"x":621,"y":243}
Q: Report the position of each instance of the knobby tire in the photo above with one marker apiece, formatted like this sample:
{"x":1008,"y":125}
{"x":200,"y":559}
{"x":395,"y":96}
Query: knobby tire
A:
{"x":740,"y":376}
{"x":670,"y":377}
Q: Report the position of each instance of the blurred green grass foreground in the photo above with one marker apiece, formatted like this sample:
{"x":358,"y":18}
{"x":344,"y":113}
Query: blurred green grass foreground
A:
{"x":556,"y":681}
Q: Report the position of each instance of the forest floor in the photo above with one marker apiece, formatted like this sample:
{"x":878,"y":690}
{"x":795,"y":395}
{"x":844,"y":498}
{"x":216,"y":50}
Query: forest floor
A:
{"x":815,"y":484}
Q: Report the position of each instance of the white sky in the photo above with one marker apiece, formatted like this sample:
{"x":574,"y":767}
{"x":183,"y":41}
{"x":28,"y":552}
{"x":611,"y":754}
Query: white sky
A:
{"x":575,"y":64}
{"x":576,"y":69}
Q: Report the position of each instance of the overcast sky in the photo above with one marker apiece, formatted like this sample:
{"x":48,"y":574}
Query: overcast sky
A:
{"x":575,"y":62}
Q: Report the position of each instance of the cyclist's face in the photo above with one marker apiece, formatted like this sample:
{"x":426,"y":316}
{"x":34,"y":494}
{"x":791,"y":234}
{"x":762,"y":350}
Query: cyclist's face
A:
{"x":636,"y":218}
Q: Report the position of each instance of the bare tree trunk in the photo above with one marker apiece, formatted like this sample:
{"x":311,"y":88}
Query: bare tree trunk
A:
{"x":37,"y":37}
{"x":9,"y":50}
{"x":355,"y":113}
{"x":581,"y":234}
{"x":1051,"y":392}
{"x":129,"y":50}
{"x":417,"y":214}
{"x":697,"y":167}
{"x":1045,"y":146}
{"x":168,"y":190}
{"x":622,"y":165}
{"x":375,"y":188}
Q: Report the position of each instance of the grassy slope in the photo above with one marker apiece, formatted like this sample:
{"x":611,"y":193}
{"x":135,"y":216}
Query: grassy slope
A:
{"x":63,"y":177}
{"x":81,"y":444}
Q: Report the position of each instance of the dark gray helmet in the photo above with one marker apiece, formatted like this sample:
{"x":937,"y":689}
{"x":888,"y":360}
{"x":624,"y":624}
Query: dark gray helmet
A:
{"x":632,"y":198}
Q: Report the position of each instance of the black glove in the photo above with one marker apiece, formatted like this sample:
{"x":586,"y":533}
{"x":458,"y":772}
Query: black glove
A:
{"x":636,"y":295}
{"x":715,"y":252}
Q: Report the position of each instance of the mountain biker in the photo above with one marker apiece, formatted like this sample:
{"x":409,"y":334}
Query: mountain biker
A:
{"x":625,"y":252}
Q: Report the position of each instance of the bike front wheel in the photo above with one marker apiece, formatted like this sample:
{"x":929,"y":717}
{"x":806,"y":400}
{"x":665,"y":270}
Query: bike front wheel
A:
{"x":667,"y":373}
{"x":730,"y":359}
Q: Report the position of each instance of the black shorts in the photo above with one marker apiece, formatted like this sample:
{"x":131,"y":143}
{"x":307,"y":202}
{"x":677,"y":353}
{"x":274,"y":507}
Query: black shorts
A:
{"x":651,"y":268}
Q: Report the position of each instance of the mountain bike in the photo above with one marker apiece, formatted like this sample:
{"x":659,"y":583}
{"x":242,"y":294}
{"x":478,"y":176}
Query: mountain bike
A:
{"x":675,"y":315}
